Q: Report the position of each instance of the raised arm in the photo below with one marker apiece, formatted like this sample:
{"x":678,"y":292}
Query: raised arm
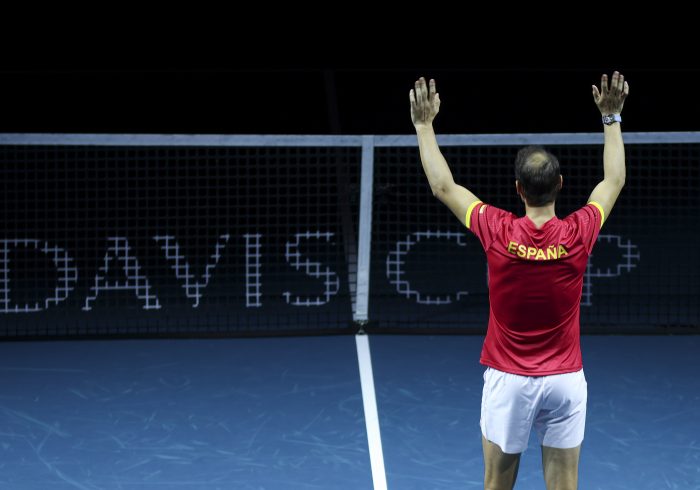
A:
{"x":425,"y":104}
{"x":610,"y":99}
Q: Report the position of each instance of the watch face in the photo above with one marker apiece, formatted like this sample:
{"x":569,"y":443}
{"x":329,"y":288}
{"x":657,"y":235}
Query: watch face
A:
{"x":609,"y":119}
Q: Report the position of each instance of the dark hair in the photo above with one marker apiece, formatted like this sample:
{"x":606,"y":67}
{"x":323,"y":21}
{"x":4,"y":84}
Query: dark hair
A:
{"x":538,"y":172}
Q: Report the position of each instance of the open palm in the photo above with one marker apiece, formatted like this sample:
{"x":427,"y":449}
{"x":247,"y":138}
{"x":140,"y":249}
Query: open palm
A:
{"x":425,"y":103}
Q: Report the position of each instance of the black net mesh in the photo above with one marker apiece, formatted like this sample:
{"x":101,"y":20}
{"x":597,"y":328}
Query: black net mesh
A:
{"x":177,"y":240}
{"x":429,"y":272}
{"x":263,"y":240}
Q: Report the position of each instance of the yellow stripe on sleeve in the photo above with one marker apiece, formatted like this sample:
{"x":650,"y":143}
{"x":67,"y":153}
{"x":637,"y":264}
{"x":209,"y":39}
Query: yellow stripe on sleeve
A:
{"x":468,"y":218}
{"x":602,"y":213}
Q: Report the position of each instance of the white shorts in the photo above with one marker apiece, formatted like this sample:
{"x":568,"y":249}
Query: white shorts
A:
{"x":511,"y":404}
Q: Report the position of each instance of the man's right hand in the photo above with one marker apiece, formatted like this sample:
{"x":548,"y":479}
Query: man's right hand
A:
{"x":425,"y":103}
{"x":610,"y":99}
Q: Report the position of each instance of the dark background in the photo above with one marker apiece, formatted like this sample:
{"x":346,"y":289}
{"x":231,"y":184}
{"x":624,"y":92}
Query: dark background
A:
{"x":250,"y":68}
{"x":269,"y":83}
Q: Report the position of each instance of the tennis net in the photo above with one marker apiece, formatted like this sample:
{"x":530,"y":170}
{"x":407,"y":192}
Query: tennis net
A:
{"x":131,"y":235}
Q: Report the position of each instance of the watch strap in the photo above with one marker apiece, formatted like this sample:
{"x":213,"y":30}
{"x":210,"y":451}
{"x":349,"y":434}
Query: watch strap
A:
{"x":612,"y":118}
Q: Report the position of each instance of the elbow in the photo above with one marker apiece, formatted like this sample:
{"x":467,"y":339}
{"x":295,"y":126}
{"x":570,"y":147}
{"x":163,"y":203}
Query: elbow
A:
{"x":439,"y":189}
{"x":620,"y":181}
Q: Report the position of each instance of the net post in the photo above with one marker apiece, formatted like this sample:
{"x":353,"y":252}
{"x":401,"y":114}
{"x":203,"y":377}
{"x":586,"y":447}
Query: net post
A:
{"x":360,"y":315}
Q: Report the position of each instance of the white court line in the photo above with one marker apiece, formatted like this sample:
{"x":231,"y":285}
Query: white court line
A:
{"x":369,"y":400}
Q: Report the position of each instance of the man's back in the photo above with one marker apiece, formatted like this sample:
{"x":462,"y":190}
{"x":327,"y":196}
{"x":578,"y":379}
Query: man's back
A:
{"x":535,"y":282}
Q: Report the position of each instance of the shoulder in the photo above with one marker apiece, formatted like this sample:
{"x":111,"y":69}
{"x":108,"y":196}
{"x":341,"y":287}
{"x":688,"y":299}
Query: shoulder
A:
{"x":480,"y":211}
{"x":481,"y":214}
{"x":589,"y":215}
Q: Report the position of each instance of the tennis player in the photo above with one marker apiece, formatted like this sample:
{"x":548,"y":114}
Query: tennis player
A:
{"x":534,"y":373}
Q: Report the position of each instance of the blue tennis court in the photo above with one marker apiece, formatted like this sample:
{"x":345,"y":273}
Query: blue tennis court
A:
{"x":287,"y":413}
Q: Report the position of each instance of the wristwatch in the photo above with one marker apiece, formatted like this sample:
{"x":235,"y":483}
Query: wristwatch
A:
{"x":608,"y":119}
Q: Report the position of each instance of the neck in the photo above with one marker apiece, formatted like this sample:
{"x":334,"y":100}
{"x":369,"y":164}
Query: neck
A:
{"x":540,"y":214}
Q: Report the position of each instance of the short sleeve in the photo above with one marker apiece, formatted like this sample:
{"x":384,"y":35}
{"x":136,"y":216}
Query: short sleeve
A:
{"x":485,"y":222}
{"x":588,"y":220}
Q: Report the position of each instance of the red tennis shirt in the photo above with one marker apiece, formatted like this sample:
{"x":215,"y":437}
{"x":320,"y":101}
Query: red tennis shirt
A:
{"x":535,"y":277}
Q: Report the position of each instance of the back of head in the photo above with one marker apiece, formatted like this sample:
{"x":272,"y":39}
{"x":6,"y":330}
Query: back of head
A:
{"x":538,"y":172}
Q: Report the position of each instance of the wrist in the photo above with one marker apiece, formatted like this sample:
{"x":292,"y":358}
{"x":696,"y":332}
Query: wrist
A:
{"x":611,"y":118}
{"x":424,"y":127}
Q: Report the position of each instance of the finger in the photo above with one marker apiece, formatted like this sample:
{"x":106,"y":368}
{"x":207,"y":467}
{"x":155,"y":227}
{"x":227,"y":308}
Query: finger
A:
{"x":604,"y":85}
{"x":621,"y":83}
{"x":613,"y":84}
{"x":419,"y":91}
{"x":412,"y":98}
{"x":626,"y":90}
{"x":423,"y":89}
{"x":596,"y":94}
{"x":436,"y":102}
{"x":432,"y":90}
